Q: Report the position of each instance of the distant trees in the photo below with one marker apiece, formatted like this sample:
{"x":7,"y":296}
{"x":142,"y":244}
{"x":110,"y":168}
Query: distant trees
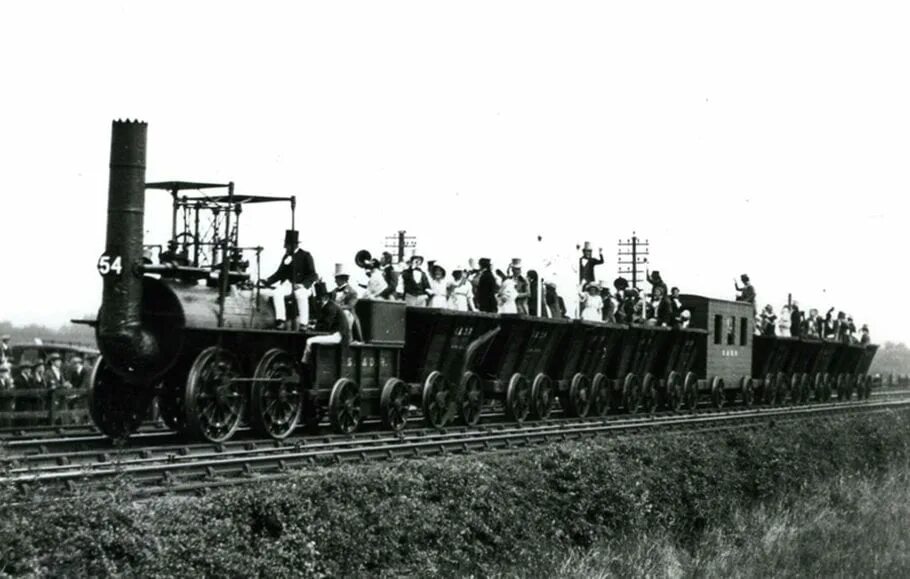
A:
{"x":73,"y":333}
{"x":892,"y":358}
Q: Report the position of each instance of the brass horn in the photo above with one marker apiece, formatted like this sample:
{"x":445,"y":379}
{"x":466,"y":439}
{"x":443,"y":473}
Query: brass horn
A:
{"x":364,"y":260}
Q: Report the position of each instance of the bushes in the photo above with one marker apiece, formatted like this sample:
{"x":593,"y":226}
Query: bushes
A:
{"x":458,"y":514}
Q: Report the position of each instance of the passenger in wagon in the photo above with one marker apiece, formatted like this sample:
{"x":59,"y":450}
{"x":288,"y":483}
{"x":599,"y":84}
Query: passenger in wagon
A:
{"x":768,"y":320}
{"x":851,"y":330}
{"x":591,"y":302}
{"x":812,"y":323}
{"x":461,"y":291}
{"x":413,"y":284}
{"x":676,"y":303}
{"x":343,"y":294}
{"x":746,"y":292}
{"x":587,"y":263}
{"x":390,"y":275}
{"x":662,"y":308}
{"x":610,"y":305}
{"x":376,"y":288}
{"x":656,"y":282}
{"x":507,"y":295}
{"x":439,"y":290}
{"x":330,"y":319}
{"x":864,"y":336}
{"x":796,"y":320}
{"x":522,"y":288}
{"x":487,"y":287}
{"x":783,"y":322}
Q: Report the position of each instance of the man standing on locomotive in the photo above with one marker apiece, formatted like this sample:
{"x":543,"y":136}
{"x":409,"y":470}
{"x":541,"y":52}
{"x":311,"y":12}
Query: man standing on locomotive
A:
{"x":330,"y":319}
{"x":296,"y":275}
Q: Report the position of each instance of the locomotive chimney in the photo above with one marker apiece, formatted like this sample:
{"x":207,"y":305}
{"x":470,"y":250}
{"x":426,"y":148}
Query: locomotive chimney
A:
{"x":127,"y":347}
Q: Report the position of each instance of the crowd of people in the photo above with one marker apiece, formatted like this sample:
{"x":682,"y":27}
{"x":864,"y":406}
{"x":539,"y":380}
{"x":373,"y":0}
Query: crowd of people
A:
{"x":791,"y":321}
{"x":50,"y":372}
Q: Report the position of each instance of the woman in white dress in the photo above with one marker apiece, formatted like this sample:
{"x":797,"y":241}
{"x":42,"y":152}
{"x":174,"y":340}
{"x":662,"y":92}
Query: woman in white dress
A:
{"x":783,"y":322}
{"x":591,"y":302}
{"x":461,"y":292}
{"x":438,"y":288}
{"x":507,"y":294}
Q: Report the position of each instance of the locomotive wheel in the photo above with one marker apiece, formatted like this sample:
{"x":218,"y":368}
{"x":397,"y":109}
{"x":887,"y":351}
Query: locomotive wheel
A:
{"x":394,"y":404}
{"x":650,"y":398}
{"x":579,"y":396}
{"x":117,"y":408}
{"x":631,"y":393}
{"x":600,"y":395}
{"x":718,"y":396}
{"x":438,"y":403}
{"x":690,"y":389}
{"x":277,"y":401}
{"x":542,"y":396}
{"x":675,"y":392}
{"x":214,"y":402}
{"x":471,"y":398}
{"x":345,"y":414}
{"x":518,"y":398}
{"x":783,"y":388}
{"x":747,"y":395}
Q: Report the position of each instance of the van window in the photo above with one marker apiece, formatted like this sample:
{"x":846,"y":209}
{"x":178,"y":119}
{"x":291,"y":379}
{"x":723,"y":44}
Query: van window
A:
{"x":718,"y":328}
{"x":743,"y":331}
{"x":731,"y":331}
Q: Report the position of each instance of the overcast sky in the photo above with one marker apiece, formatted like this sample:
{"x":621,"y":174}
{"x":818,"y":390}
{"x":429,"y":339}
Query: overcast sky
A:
{"x":771,"y":137}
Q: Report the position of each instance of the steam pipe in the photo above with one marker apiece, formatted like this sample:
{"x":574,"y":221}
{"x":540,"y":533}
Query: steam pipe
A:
{"x":128,"y":348}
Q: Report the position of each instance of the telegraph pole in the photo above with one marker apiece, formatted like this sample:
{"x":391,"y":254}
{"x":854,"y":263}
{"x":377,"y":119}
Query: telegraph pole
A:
{"x":399,"y":242}
{"x":631,"y":255}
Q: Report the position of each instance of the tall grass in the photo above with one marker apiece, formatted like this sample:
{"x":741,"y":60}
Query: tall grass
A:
{"x":851,"y":527}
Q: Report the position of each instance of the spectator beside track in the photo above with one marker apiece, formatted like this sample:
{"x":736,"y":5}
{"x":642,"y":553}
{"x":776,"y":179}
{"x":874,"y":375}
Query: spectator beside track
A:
{"x":6,"y":376}
{"x":413,"y":283}
{"x":6,"y":351}
{"x":522,"y":288}
{"x":487,"y":288}
{"x":591,"y":302}
{"x":24,"y":379}
{"x":783,"y":322}
{"x":586,"y":263}
{"x":79,"y":374}
{"x":439,"y":290}
{"x":330,"y":320}
{"x":747,"y":292}
{"x":461,"y":291}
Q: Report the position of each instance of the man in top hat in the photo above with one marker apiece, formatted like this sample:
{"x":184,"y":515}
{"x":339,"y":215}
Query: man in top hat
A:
{"x":295,"y":276}
{"x":413,"y":283}
{"x":487,"y":287}
{"x":330,"y":319}
{"x":522,"y":287}
{"x":586,"y":263}
{"x":343,"y":294}
{"x":864,"y":337}
{"x":6,"y":352}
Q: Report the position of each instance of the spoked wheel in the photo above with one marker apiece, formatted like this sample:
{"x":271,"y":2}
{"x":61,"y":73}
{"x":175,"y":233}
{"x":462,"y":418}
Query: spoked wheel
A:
{"x":438,"y":400}
{"x":579,"y":396}
{"x":770,"y":389}
{"x":600,"y":395}
{"x":214,"y":401}
{"x":783,"y":388}
{"x":805,"y":388}
{"x":675,"y":391}
{"x":842,"y":387}
{"x":542,"y":396}
{"x":690,"y":391}
{"x":345,"y":414}
{"x":796,"y":389}
{"x":818,"y":388}
{"x":830,"y":384}
{"x":471,"y":398}
{"x":631,"y":393}
{"x":117,"y":407}
{"x":746,"y":394}
{"x":276,"y":398}
{"x":518,"y":398}
{"x":394,"y":404}
{"x":649,"y":394}
{"x":718,"y":395}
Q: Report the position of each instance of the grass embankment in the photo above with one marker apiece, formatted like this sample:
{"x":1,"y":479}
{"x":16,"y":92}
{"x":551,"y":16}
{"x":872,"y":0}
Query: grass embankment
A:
{"x":665,"y":503}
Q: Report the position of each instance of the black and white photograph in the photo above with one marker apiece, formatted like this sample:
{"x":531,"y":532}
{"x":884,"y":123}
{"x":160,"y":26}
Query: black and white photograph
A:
{"x":454,"y":289}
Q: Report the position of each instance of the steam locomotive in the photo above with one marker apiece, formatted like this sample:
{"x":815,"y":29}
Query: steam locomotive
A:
{"x":196,"y":334}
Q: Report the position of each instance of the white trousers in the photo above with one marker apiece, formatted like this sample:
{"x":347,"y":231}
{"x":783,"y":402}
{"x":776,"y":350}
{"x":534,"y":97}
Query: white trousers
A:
{"x":333,"y":338}
{"x":300,"y":293}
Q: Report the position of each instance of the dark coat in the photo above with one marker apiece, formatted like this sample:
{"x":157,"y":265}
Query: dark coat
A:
{"x":486,"y":292}
{"x":332,"y":319}
{"x":586,"y":267}
{"x":665,"y":312}
{"x":297,"y":269}
{"x":796,"y":323}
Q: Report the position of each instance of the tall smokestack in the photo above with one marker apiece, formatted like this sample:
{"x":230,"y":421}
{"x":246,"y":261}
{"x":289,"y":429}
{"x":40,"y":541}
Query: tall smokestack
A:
{"x":128,"y":348}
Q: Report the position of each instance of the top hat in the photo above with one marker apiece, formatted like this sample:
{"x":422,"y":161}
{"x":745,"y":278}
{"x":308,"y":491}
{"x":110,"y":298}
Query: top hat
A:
{"x":291,"y":237}
{"x":320,"y":290}
{"x":484,"y":262}
{"x":516,"y":262}
{"x":865,"y":328}
{"x":655,"y":274}
{"x":744,"y":278}
{"x":340,"y":270}
{"x":587,"y":246}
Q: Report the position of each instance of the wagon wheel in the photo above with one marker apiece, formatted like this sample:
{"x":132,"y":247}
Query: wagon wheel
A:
{"x":675,"y":392}
{"x":851,"y":383}
{"x":276,"y":397}
{"x":842,"y":387}
{"x":690,"y":391}
{"x":579,"y":396}
{"x":631,"y":393}
{"x":471,"y":398}
{"x":345,"y":412}
{"x":747,"y":395}
{"x":117,"y":408}
{"x":806,"y":388}
{"x":438,"y":400}
{"x":818,"y":387}
{"x":796,"y":392}
{"x":518,"y":398}
{"x":542,"y":396}
{"x":718,"y":396}
{"x":649,"y":393}
{"x":394,"y":404}
{"x":214,"y":401}
{"x":600,"y":395}
{"x":866,"y":381}
{"x":770,"y":389}
{"x":783,"y":388}
{"x":171,"y":404}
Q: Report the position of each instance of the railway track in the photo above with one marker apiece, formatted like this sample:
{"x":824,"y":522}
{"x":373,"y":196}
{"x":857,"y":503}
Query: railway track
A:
{"x":190,"y":468}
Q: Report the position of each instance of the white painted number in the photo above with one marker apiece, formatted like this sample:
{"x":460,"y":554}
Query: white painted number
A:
{"x":108,"y":264}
